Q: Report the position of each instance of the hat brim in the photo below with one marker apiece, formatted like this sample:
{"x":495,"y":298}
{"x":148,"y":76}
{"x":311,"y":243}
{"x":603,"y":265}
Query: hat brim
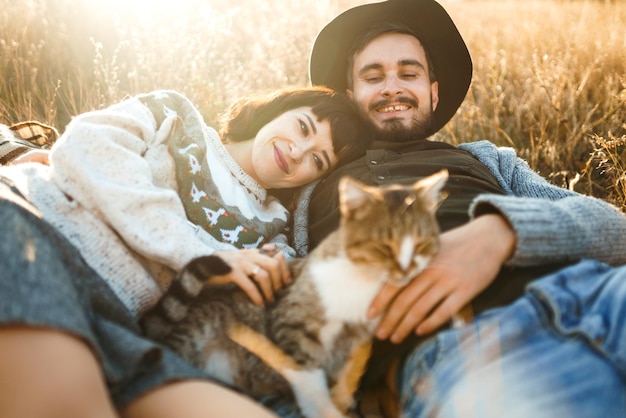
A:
{"x":430,"y":23}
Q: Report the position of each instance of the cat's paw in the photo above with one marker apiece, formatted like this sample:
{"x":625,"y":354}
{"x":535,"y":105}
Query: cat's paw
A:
{"x":344,"y":402}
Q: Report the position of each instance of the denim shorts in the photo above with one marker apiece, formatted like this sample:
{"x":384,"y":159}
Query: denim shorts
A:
{"x":559,"y":351}
{"x":44,"y":282}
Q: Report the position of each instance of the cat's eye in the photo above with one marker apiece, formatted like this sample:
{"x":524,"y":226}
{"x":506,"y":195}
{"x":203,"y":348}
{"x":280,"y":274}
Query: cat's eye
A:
{"x":381,"y":249}
{"x":424,"y":247}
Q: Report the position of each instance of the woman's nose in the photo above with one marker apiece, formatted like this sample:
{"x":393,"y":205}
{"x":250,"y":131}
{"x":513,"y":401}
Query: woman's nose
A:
{"x":298,"y":149}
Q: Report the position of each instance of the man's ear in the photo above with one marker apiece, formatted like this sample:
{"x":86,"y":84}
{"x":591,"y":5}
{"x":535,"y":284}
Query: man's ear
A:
{"x":434,"y":94}
{"x":349,"y":94}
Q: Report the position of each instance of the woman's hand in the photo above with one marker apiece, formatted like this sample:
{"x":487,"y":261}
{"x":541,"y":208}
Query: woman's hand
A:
{"x":469,"y":259}
{"x":33,"y":156}
{"x":258,"y":272}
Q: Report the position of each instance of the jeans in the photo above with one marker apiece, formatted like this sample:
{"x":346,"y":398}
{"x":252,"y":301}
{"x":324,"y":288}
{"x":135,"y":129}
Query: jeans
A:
{"x":559,"y":351}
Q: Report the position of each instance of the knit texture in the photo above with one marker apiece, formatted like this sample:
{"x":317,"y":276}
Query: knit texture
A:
{"x":112,"y":190}
{"x":552,"y":224}
{"x":202,"y":182}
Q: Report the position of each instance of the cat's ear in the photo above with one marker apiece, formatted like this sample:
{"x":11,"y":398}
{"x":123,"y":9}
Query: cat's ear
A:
{"x":431,"y":187}
{"x":352,"y":195}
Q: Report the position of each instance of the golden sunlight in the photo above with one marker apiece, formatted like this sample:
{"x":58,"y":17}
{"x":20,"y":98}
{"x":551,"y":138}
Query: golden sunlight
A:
{"x":145,"y":12}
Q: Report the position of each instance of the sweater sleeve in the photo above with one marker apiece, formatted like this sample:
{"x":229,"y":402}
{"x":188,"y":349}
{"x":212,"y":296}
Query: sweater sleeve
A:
{"x":99,"y":162}
{"x":552,"y":224}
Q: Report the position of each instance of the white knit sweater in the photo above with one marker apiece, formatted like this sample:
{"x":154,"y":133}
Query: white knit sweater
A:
{"x":112,"y":190}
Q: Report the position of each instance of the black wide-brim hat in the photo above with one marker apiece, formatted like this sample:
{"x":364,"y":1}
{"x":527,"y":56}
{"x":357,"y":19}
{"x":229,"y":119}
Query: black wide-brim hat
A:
{"x":429,"y":22}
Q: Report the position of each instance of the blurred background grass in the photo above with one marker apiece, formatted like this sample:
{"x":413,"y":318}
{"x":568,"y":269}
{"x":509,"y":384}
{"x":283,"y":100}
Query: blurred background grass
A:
{"x":549,"y":79}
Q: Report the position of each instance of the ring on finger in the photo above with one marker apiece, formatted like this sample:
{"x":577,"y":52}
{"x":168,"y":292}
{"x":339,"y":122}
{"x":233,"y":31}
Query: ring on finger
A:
{"x":255,"y":271}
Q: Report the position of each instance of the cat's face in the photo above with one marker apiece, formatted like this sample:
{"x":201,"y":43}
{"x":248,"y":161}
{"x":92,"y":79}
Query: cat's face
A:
{"x":391,"y":229}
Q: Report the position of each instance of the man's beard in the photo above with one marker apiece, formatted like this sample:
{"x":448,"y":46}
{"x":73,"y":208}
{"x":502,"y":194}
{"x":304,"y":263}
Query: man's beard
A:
{"x":394,"y":130}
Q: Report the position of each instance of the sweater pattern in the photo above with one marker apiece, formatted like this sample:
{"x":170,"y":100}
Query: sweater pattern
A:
{"x":199,"y":191}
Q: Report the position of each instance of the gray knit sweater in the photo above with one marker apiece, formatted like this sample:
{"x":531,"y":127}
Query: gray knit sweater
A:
{"x":552,"y":224}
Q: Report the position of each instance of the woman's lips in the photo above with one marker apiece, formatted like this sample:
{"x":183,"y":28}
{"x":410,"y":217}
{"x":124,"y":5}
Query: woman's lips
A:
{"x":280,"y":160}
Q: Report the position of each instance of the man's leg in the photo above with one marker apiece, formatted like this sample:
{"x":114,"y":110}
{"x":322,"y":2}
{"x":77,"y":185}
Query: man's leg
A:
{"x":558,"y":351}
{"x":588,"y":301}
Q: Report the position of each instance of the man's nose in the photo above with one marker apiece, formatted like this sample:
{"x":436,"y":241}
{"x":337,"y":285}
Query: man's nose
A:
{"x":391,"y":87}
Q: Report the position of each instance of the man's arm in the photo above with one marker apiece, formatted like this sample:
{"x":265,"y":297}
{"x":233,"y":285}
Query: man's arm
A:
{"x":551,"y":224}
{"x":535,"y":223}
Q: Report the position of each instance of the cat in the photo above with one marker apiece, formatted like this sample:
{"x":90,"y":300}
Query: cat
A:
{"x":312,"y":343}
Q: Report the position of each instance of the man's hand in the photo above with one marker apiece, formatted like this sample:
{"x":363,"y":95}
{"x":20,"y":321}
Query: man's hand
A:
{"x":469,"y":259}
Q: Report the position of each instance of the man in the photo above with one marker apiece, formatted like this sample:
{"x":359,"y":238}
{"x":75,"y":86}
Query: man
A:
{"x":407,"y":68}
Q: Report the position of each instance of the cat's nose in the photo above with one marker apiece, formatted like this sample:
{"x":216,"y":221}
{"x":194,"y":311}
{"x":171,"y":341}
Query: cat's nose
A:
{"x":400,"y":278}
{"x":417,"y":264}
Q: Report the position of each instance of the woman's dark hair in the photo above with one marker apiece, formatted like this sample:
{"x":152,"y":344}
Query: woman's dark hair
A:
{"x":349,"y":134}
{"x":247,"y":116}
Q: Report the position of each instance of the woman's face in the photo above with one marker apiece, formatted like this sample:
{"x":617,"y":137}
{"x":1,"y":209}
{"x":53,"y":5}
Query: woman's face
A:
{"x":292,"y":150}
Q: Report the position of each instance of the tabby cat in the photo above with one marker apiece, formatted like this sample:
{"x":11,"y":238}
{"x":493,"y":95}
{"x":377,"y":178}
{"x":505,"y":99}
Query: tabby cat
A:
{"x":316,"y":332}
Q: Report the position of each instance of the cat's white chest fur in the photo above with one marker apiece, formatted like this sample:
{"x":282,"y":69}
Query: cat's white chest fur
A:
{"x":346,"y":290}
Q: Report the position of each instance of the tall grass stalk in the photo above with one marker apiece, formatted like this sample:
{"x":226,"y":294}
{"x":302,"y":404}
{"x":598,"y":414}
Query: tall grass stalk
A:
{"x":549,"y":79}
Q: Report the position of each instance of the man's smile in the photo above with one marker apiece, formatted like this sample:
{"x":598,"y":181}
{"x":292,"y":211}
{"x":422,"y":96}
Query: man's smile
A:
{"x":393,"y":108}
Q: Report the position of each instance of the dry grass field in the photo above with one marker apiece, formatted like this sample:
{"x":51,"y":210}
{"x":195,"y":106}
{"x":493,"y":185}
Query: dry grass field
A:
{"x":549,"y":80}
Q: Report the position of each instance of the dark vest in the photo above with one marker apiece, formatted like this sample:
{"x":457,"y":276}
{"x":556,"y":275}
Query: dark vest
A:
{"x":405,"y":163}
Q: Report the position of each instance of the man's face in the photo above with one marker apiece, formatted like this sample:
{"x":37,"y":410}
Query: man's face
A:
{"x":392,"y":86}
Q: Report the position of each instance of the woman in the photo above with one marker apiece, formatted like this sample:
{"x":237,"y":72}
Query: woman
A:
{"x":137,"y":190}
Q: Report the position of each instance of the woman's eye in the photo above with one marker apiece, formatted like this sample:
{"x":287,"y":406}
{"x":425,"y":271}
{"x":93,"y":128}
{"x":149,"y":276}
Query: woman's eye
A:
{"x":318,"y":162}
{"x":303,"y":127}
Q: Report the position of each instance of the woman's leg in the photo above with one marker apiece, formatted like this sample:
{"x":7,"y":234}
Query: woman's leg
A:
{"x":47,"y":373}
{"x":195,"y":399}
